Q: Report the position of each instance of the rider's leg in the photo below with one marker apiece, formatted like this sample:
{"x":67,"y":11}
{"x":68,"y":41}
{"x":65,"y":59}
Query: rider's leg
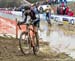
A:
{"x":36,"y":26}
{"x":32,"y":36}
{"x":37,"y":22}
{"x":34,"y":33}
{"x":48,"y":18}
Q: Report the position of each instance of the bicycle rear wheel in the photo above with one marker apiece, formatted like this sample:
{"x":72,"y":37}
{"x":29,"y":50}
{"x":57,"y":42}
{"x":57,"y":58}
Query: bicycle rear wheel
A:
{"x":36,"y":43}
{"x":24,"y":43}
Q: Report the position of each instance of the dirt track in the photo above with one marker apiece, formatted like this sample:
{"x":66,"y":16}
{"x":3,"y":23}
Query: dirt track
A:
{"x":9,"y":52}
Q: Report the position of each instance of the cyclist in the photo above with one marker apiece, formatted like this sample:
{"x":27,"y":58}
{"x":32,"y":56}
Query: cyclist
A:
{"x":48,"y":15}
{"x":30,"y":13}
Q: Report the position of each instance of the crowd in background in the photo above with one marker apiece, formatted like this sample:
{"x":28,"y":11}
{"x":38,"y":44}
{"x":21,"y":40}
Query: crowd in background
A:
{"x":56,"y":1}
{"x":63,"y":9}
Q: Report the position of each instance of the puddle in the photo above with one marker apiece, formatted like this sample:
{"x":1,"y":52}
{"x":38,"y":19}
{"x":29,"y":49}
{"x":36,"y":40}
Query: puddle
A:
{"x":59,"y":41}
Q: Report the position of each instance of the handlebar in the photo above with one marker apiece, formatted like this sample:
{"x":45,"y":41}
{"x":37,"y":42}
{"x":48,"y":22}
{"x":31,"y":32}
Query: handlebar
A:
{"x":19,"y":26}
{"x":24,"y":24}
{"x":27,"y":24}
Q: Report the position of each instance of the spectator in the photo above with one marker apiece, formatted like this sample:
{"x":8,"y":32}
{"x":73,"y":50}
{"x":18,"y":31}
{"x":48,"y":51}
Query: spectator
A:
{"x":63,"y":4}
{"x":61,"y":9}
{"x":70,"y":13}
{"x":66,"y":10}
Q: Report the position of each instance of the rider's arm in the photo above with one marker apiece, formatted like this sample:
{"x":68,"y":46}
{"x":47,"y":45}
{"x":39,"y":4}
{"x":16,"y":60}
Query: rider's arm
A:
{"x":24,"y":20}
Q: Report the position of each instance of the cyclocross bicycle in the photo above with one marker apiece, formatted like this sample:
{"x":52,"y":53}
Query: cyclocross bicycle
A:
{"x":29,"y":40}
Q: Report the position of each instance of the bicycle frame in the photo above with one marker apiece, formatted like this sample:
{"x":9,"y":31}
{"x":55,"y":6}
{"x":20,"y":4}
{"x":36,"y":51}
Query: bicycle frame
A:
{"x":31,"y":32}
{"x":32,"y":37}
{"x":30,"y":28}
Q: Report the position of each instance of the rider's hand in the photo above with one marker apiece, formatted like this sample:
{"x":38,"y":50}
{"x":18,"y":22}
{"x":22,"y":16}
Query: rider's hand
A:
{"x":18,"y":23}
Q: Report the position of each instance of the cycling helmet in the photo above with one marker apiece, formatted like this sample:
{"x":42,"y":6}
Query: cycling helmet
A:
{"x":27,"y":7}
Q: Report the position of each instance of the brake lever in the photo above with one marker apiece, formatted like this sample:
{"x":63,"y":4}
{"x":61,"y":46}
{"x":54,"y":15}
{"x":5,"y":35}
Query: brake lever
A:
{"x":19,"y":27}
{"x":18,"y":24}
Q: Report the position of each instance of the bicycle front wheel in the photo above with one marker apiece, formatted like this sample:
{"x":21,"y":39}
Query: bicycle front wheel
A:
{"x":24,"y":43}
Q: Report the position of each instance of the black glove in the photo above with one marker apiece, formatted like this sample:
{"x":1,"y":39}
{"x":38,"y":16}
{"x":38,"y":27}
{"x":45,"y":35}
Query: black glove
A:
{"x":18,"y":23}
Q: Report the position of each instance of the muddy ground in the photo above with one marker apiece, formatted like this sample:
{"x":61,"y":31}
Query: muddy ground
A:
{"x":9,"y":51}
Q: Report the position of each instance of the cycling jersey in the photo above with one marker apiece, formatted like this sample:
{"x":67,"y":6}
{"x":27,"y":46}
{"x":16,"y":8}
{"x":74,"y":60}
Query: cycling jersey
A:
{"x":33,"y":18}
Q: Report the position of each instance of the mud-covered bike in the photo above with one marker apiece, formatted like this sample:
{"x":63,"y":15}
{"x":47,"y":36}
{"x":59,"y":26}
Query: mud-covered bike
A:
{"x":29,"y":40}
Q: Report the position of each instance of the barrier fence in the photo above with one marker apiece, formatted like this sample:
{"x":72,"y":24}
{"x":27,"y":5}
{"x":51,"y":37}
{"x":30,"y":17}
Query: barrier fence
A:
{"x":9,"y":27}
{"x":8,"y":23}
